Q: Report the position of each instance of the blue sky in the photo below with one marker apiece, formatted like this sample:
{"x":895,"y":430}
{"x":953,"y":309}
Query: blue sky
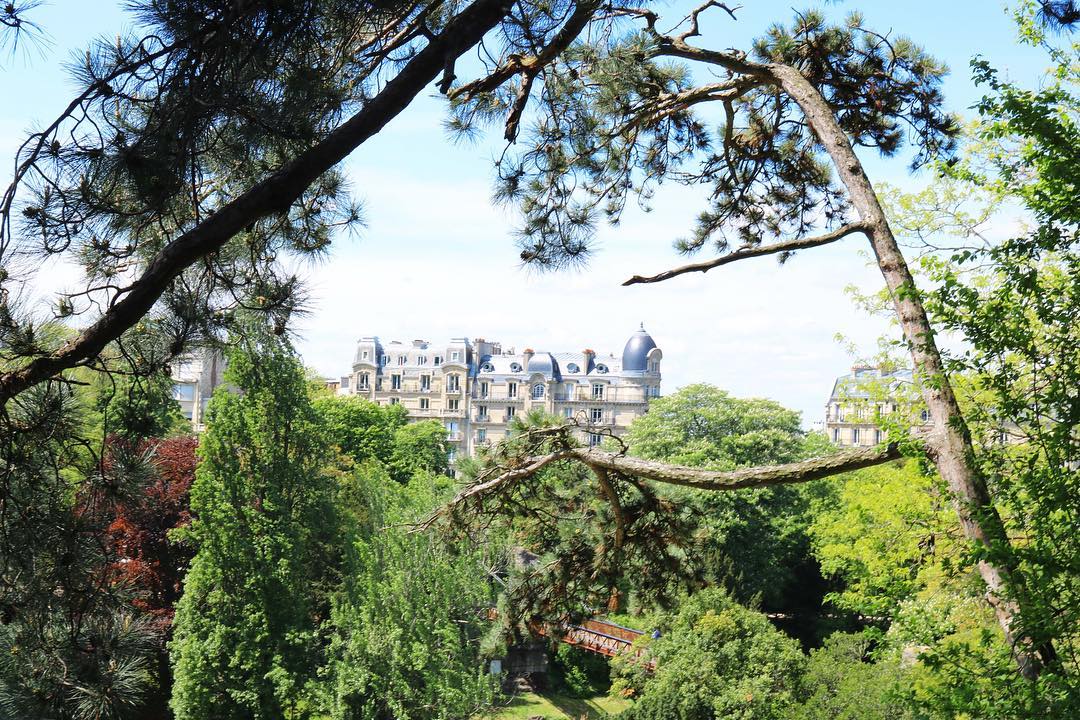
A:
{"x":437,"y":260}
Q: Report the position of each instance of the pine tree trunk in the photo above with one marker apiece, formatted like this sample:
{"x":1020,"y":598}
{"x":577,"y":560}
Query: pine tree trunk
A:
{"x":949,"y":444}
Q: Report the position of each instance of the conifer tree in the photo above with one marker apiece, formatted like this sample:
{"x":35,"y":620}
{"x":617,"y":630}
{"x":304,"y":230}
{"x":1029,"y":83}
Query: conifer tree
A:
{"x":245,"y":629}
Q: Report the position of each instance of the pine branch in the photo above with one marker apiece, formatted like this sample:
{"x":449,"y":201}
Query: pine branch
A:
{"x":272,"y":195}
{"x":750,"y":252}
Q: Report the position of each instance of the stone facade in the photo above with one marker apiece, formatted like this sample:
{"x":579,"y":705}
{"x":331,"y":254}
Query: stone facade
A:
{"x":195,"y":375}
{"x":475,"y":388}
{"x":862,"y":399}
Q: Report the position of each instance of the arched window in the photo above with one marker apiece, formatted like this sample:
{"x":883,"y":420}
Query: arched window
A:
{"x":538,"y":391}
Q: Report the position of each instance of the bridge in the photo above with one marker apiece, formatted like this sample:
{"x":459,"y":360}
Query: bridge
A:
{"x":600,"y":637}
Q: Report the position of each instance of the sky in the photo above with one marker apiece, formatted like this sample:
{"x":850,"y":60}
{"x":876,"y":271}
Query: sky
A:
{"x":436,"y":259}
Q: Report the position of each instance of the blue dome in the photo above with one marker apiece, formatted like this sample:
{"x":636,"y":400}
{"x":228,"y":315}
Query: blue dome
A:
{"x":635,"y":356}
{"x":545,"y":364}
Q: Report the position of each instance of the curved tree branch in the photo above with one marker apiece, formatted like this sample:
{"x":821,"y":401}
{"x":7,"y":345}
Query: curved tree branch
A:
{"x":750,"y":252}
{"x":601,"y":462}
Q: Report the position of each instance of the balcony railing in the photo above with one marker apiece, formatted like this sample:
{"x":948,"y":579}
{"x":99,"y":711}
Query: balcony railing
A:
{"x":448,"y":411}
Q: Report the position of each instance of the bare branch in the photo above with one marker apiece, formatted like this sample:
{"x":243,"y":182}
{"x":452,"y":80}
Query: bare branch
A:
{"x":750,"y":252}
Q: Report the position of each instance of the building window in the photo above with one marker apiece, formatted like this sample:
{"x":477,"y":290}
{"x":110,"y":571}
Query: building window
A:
{"x":572,"y":368}
{"x":453,"y":383}
{"x":378,"y":383}
{"x":602,"y":369}
{"x":362,"y":381}
{"x":510,"y":413}
{"x":595,"y":439}
{"x":393,"y":401}
{"x":483,"y":389}
{"x":437,"y":360}
{"x":568,"y":412}
{"x":515,"y":367}
{"x":401,"y":360}
{"x":854,"y":436}
{"x":384,"y":360}
{"x":925,"y":415}
{"x":425,"y":404}
{"x":425,"y":383}
{"x":482,"y":413}
{"x":598,"y":391}
{"x":184,"y":392}
{"x":364,"y":355}
{"x":836,"y":435}
{"x":654,"y":367}
{"x":453,"y":404}
{"x":538,"y":391}
{"x":877,"y":437}
{"x":596,"y":415}
{"x":421,"y":360}
{"x":481,"y":435}
{"x":455,"y":356}
{"x":511,"y":390}
{"x":395,"y":382}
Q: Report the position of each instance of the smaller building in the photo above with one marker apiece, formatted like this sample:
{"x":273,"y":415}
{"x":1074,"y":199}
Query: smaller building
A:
{"x":863,"y":399}
{"x":195,"y":375}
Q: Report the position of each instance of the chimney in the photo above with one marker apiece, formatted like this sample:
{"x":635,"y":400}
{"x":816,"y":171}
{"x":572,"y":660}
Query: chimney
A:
{"x":526,"y":357}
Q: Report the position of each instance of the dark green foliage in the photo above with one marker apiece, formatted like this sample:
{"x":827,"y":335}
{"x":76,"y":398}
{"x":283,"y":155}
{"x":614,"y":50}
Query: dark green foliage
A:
{"x":406,"y":624}
{"x":137,"y":407}
{"x":564,"y":515}
{"x":715,"y":660}
{"x":845,"y":683}
{"x":579,"y":673}
{"x":71,"y":643}
{"x":245,"y":633}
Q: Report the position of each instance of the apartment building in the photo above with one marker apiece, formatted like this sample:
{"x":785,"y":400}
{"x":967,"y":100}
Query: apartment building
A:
{"x":195,"y":375}
{"x":476,"y":388}
{"x":862,"y":398}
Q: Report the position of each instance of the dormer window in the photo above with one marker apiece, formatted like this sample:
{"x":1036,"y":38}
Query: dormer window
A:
{"x":421,"y":360}
{"x":602,"y":368}
{"x":401,"y":360}
{"x":487,"y":367}
{"x":515,"y":367}
{"x":438,"y":360}
{"x":572,"y":368}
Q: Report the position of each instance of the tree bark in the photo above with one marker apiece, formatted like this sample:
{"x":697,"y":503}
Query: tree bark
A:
{"x":949,"y":444}
{"x":602,"y":461}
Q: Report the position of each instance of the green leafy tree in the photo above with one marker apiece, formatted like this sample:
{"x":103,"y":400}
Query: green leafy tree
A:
{"x":885,"y":533}
{"x":407,"y":623}
{"x":360,"y":428}
{"x":755,"y":542}
{"x":703,"y":426}
{"x":714,"y":659}
{"x":245,"y":631}
{"x":418,"y":448}
{"x":844,"y":682}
